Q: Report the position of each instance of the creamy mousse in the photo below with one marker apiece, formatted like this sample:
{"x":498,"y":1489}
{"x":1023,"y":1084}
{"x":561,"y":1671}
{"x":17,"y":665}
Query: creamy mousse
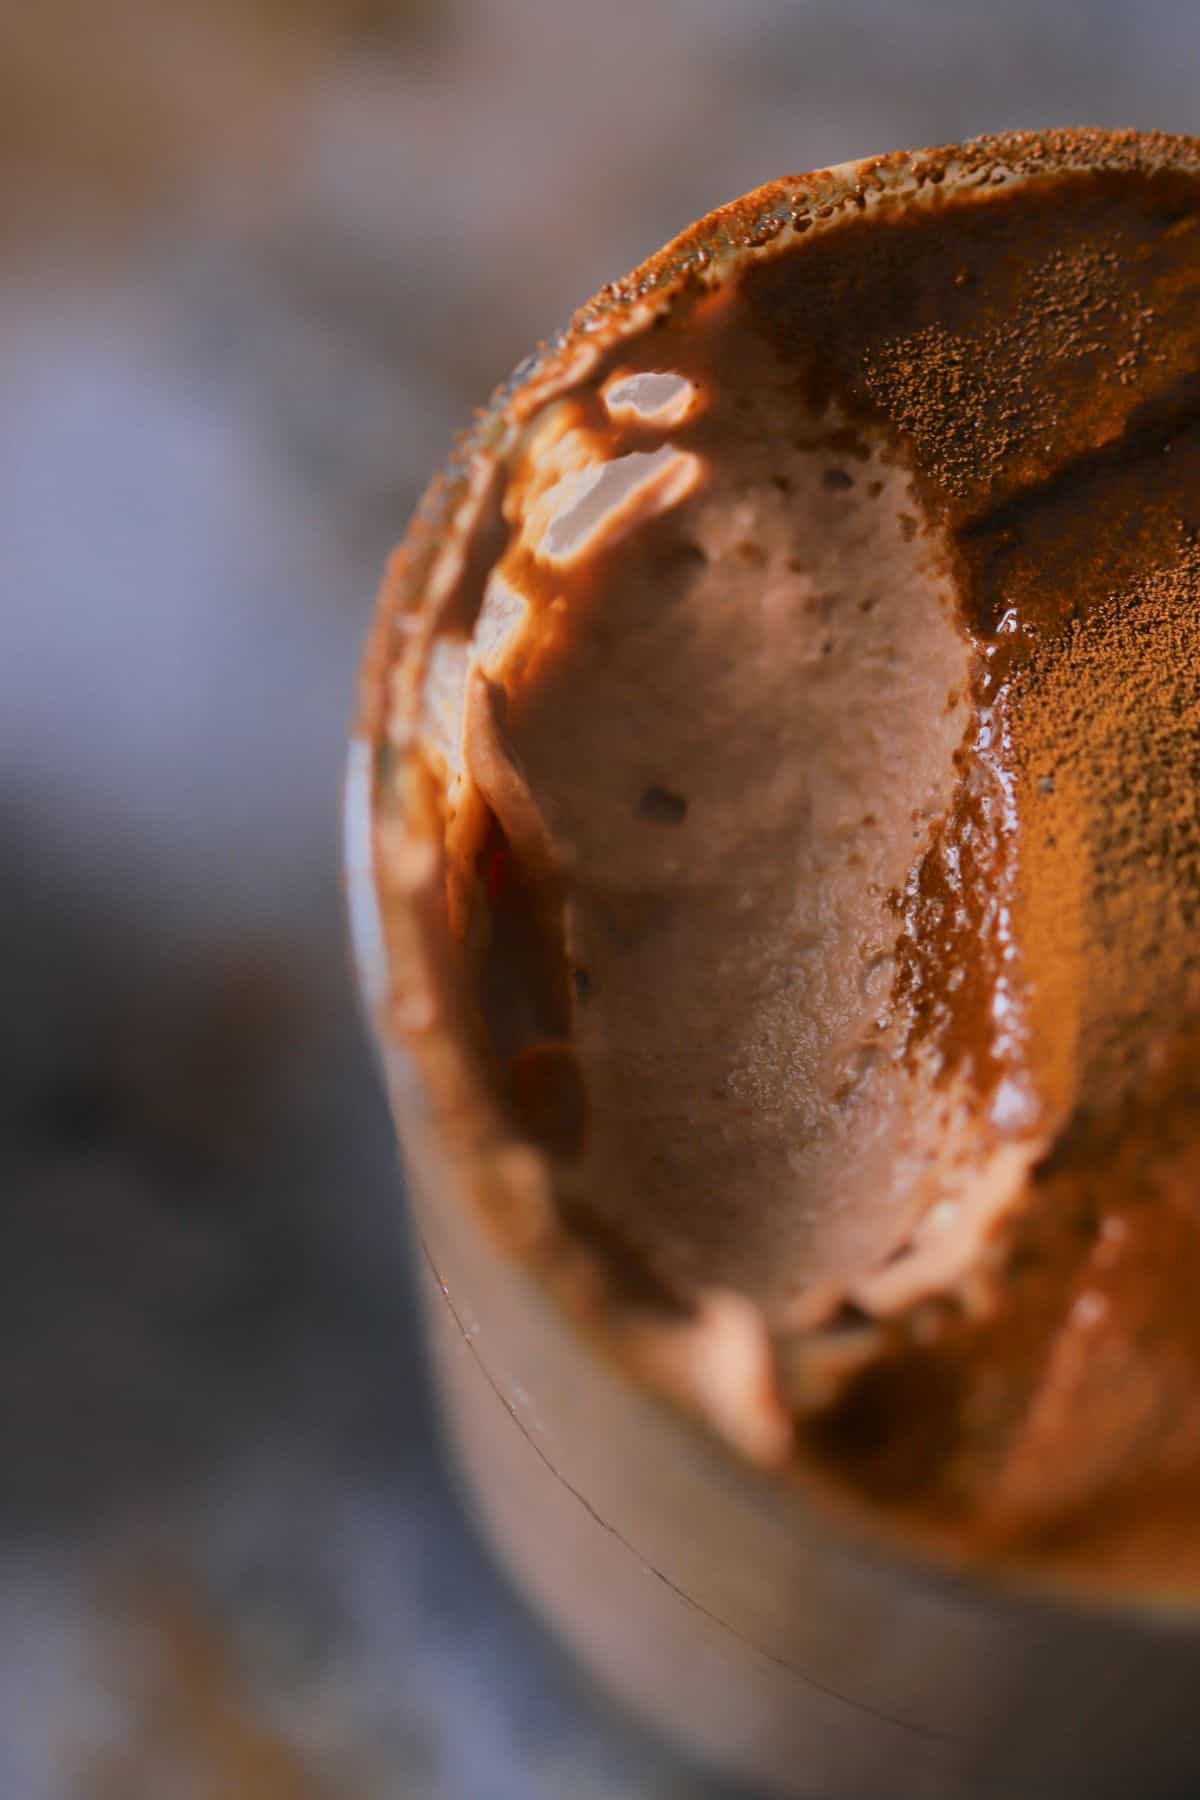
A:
{"x":812,"y":714}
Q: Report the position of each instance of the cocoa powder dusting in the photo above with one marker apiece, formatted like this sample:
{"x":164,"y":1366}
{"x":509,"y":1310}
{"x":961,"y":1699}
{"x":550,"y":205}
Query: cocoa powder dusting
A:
{"x":1048,"y":947}
{"x":1108,"y":892}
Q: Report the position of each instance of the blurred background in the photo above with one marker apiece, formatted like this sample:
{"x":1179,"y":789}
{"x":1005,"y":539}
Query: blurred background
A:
{"x":261,"y":258}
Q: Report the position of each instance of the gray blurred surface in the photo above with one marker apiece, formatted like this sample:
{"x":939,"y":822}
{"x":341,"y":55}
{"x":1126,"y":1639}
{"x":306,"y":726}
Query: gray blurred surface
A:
{"x":261,"y":259}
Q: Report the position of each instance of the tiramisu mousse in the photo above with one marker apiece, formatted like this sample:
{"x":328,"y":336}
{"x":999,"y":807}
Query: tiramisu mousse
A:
{"x":811,"y":711}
